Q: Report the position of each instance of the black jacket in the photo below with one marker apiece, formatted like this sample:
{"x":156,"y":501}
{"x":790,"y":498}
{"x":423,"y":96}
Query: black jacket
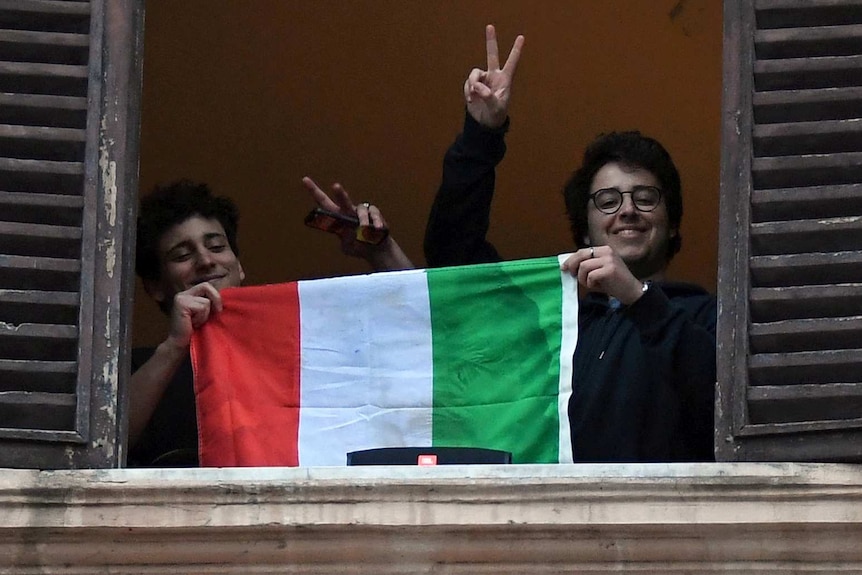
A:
{"x":644,"y":375}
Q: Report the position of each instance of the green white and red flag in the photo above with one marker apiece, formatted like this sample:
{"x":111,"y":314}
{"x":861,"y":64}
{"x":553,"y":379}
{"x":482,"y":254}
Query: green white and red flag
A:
{"x":302,"y":373}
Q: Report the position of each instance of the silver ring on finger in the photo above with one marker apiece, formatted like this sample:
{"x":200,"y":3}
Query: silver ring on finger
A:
{"x":365,"y":205}
{"x":592,"y":252}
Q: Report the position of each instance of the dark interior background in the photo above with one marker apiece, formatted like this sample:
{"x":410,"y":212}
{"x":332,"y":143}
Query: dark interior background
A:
{"x":250,"y":96}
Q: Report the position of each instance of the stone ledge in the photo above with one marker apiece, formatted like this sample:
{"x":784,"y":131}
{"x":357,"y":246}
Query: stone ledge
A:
{"x":657,"y":518}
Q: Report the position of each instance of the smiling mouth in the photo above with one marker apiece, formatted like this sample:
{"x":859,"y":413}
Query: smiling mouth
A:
{"x":207,"y":279}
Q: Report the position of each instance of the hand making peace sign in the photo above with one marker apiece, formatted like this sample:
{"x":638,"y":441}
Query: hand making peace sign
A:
{"x":487,"y":92}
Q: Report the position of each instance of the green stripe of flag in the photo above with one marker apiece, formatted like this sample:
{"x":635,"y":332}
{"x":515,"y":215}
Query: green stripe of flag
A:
{"x":512,"y":399}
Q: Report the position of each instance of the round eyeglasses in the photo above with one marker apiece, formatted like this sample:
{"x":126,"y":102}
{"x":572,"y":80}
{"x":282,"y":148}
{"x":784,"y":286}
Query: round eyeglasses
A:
{"x":610,"y":200}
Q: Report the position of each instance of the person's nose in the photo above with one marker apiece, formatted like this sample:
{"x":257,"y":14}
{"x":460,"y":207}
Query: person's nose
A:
{"x":627,"y":208}
{"x":204,"y":259}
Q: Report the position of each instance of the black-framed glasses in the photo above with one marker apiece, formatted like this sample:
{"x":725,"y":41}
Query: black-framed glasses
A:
{"x":610,"y":200}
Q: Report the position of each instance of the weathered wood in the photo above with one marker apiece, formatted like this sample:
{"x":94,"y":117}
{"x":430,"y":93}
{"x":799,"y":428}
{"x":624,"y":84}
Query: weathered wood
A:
{"x":796,"y":73}
{"x":813,"y":202}
{"x":801,"y":236}
{"x":807,"y":105}
{"x":810,"y":41}
{"x":42,"y":231}
{"x":832,"y":366}
{"x":806,"y":301}
{"x":795,"y":13}
{"x":804,"y":171}
{"x":808,"y":334}
{"x":66,"y":227}
{"x":800,"y":138}
{"x":37,"y":410}
{"x":806,"y":269}
{"x":43,"y":110}
{"x":38,"y":376}
{"x":43,"y":143}
{"x":831,"y":402}
{"x":45,"y":15}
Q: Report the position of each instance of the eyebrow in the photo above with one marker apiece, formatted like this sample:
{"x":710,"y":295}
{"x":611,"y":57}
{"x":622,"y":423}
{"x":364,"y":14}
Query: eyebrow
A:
{"x":187,"y":243}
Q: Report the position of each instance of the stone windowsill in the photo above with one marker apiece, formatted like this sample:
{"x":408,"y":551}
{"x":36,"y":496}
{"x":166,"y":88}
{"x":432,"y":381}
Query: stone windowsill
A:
{"x":656,"y":518}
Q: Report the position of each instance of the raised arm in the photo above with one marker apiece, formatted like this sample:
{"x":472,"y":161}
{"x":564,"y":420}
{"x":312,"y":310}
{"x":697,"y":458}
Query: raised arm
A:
{"x":387,"y":255}
{"x":459,"y":218}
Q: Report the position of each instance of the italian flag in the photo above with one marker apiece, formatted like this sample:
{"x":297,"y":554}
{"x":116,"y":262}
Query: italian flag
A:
{"x":302,"y":373}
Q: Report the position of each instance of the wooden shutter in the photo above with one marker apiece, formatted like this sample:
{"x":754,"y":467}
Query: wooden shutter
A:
{"x":69,"y":93}
{"x":790,"y":265}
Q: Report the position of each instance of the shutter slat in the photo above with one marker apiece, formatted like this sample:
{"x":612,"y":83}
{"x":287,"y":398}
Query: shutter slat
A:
{"x":797,"y":302}
{"x":35,"y":410}
{"x":808,"y":42}
{"x":806,"y":269}
{"x":806,"y":335}
{"x":40,"y":331}
{"x":798,"y":403}
{"x":825,"y":72}
{"x":807,"y":105}
{"x":813,"y":201}
{"x":20,"y":175}
{"x":36,"y":306}
{"x":801,"y":138}
{"x":40,"y":231}
{"x":809,"y":367}
{"x":60,"y":265}
{"x":41,"y":208}
{"x":50,"y":7}
{"x":801,"y":236}
{"x":43,"y":110}
{"x":805,"y":171}
{"x":37,"y":78}
{"x":38,"y":376}
{"x":44,"y":143}
{"x":44,"y":47}
{"x":795,"y":13}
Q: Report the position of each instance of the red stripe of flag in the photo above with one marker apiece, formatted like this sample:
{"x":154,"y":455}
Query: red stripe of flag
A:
{"x":262,"y":397}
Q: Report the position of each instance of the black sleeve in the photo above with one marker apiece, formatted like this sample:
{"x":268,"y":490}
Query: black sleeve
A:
{"x":682,"y":347}
{"x":459,"y":219}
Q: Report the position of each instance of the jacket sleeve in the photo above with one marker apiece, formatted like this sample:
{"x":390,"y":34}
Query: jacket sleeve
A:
{"x":459,"y":219}
{"x":681,"y":344}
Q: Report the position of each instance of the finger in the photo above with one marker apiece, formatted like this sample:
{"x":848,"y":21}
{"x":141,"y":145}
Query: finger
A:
{"x":514,"y":56}
{"x":200,"y":313}
{"x":205,"y":291}
{"x":318,"y":195}
{"x":363,"y":212}
{"x":342,"y":199}
{"x":475,"y":78}
{"x":478,"y":88}
{"x":590,"y":274}
{"x":491,"y":47}
{"x":375,"y":217}
{"x":574,"y":261}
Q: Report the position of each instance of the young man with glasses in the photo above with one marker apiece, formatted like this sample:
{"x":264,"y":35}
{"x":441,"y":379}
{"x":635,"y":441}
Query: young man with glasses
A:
{"x":644,"y":367}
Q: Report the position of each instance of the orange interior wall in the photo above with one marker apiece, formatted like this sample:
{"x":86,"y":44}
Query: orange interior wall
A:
{"x":250,"y":96}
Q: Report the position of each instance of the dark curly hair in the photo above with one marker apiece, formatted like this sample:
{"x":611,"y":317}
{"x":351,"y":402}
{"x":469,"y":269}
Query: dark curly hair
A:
{"x":172,"y":204}
{"x":629,"y":149}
